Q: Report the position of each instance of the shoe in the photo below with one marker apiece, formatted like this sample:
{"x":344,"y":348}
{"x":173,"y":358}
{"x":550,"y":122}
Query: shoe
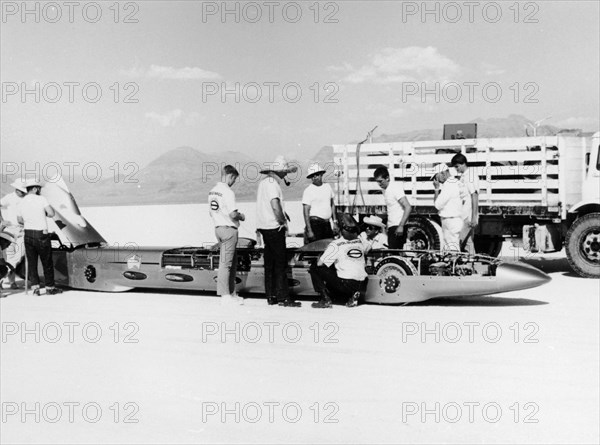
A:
{"x":53,"y":291}
{"x":271,"y":301}
{"x":288,"y":302}
{"x":14,"y":286}
{"x":234,"y":300}
{"x":36,"y":291}
{"x":322,"y":304}
{"x":353,"y":301}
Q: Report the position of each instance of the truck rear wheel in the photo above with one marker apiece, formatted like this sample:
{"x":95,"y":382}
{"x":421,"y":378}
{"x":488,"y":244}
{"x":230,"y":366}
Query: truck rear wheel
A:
{"x":583,"y":245}
{"x":488,"y":245}
{"x":423,"y":234}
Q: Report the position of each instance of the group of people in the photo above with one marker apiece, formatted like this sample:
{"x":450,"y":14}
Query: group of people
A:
{"x":339,"y":273}
{"x":23,"y":216}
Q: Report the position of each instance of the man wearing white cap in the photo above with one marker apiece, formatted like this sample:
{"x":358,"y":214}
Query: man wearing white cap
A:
{"x":225,"y":216}
{"x":317,"y":204}
{"x":32,"y":212}
{"x":373,"y":236}
{"x":15,"y":251}
{"x":271,"y":223}
{"x":448,"y":202}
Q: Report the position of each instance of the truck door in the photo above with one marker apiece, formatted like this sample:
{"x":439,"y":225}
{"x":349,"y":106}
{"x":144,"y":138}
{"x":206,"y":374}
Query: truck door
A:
{"x":591,"y":186}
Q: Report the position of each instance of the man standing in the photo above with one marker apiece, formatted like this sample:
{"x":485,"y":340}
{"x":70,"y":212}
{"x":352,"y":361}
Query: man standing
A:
{"x":32,"y":211}
{"x":448,"y":201}
{"x":398,"y":207}
{"x":317,"y":205}
{"x":470,"y":183}
{"x":225,"y":216}
{"x":348,"y":278}
{"x":271,"y":223}
{"x":15,"y":251}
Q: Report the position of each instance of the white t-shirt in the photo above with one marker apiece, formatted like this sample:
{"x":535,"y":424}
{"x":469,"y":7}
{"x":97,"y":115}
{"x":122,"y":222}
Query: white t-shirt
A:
{"x":449,"y":202}
{"x":221,"y":202}
{"x":268,"y":189}
{"x":348,"y":257}
{"x":319,"y":200}
{"x":393,"y":193}
{"x":31,"y":209}
{"x":379,"y":242}
{"x":9,"y":208}
{"x":470,"y":182}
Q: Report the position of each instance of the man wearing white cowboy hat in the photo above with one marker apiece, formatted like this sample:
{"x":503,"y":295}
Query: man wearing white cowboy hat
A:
{"x":449,"y":203}
{"x":373,"y":236}
{"x":32,"y":212}
{"x":317,"y":205}
{"x":16,"y":250}
{"x":271,"y":223}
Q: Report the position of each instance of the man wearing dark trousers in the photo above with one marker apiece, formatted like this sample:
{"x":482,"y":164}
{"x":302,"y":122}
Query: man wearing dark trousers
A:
{"x":271,"y":223}
{"x":32,"y":212}
{"x":340,"y":274}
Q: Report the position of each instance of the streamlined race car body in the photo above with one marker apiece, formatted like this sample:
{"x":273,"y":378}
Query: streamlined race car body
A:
{"x":84,"y":261}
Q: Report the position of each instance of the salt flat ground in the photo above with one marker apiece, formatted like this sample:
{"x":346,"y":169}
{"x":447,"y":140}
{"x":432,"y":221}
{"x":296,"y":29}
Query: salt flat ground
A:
{"x":517,"y":368}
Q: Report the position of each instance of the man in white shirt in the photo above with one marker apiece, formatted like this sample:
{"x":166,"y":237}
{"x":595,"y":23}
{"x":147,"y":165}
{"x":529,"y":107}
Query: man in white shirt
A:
{"x":373,"y":237}
{"x":449,"y":204}
{"x":271,"y":223}
{"x":398,"y":207}
{"x":317,"y":205}
{"x":32,"y":211}
{"x":470,"y":181}
{"x":226,"y":218}
{"x":347,"y":278}
{"x":15,"y":251}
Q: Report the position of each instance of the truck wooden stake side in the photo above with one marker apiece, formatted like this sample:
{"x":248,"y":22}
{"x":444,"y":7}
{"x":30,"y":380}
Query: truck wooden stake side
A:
{"x":544,"y":190}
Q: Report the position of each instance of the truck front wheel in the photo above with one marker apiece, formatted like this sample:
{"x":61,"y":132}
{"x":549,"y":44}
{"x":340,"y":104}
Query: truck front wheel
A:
{"x":583,"y":245}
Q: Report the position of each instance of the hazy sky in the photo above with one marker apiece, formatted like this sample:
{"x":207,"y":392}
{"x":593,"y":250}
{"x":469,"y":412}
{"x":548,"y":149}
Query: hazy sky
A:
{"x":362,"y":64}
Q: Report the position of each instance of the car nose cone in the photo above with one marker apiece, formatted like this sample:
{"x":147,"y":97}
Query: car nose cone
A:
{"x":516,"y":276}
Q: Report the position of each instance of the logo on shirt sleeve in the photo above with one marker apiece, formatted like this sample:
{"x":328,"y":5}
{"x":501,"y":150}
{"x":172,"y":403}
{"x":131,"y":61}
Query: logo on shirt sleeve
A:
{"x":214,"y":205}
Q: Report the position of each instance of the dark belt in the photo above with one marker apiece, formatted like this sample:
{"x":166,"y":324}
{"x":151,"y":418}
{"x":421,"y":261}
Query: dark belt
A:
{"x":226,"y":227}
{"x":318,"y":218}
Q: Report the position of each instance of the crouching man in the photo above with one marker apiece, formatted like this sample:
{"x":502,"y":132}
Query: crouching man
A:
{"x":347,"y":279}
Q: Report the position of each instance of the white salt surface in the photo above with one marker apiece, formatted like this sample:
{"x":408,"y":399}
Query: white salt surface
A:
{"x":533,"y":354}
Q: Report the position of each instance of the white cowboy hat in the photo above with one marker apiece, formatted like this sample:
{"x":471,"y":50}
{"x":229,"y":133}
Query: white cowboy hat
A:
{"x":374,"y":221}
{"x":314,"y":169}
{"x":18,"y":185}
{"x":438,"y":168}
{"x":279,"y":165}
{"x":32,"y":181}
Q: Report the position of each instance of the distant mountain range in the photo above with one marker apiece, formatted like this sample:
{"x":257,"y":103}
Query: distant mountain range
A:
{"x":185,"y":174}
